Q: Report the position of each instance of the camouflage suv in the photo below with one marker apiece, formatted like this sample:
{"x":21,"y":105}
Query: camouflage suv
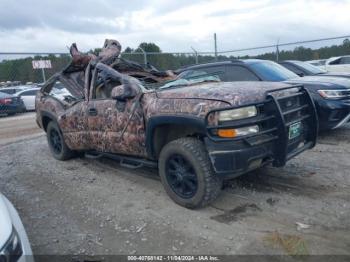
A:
{"x":198,"y":131}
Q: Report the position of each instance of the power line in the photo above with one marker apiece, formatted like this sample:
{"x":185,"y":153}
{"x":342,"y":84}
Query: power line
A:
{"x":285,"y":44}
{"x":191,"y":53}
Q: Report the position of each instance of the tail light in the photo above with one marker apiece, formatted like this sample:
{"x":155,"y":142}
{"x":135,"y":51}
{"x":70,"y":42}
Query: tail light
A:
{"x":5,"y":101}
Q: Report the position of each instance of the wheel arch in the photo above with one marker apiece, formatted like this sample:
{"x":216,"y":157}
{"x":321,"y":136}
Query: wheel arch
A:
{"x":46,"y":117}
{"x":160,"y":130}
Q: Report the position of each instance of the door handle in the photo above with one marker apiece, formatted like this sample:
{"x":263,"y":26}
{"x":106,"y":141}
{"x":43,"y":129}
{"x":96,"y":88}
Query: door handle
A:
{"x":92,"y":112}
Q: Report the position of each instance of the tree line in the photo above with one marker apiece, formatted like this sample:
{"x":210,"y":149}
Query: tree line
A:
{"x":21,"y":69}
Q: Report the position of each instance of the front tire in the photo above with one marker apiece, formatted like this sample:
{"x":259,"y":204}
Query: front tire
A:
{"x":187,"y":174}
{"x":57,"y":146}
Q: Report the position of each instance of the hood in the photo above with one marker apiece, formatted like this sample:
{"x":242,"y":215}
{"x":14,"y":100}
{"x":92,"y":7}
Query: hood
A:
{"x":5,"y":222}
{"x":235,"y":93}
{"x":335,"y":82}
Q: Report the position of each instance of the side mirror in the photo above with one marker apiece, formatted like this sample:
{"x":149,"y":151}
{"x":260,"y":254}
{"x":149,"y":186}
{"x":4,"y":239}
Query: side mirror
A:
{"x":122,"y":93}
{"x":301,"y":74}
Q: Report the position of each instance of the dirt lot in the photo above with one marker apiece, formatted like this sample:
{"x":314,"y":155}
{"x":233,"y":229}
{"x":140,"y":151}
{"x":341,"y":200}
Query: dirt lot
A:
{"x":91,"y":207}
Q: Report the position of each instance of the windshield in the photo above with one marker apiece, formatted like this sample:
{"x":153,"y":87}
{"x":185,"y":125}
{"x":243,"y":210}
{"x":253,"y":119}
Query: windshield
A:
{"x":311,"y":68}
{"x":271,"y":71}
{"x":190,"y":81}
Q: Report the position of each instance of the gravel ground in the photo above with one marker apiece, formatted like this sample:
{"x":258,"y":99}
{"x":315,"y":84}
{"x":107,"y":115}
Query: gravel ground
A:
{"x":92,"y":207}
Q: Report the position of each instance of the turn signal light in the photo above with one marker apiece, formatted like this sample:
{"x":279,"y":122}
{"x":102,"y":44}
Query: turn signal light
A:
{"x":227,"y":133}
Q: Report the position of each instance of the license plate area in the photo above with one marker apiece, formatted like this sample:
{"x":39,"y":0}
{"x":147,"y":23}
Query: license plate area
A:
{"x":294,"y":130}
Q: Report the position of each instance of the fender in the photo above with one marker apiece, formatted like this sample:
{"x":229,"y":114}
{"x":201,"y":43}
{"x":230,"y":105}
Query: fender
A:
{"x":156,"y":121}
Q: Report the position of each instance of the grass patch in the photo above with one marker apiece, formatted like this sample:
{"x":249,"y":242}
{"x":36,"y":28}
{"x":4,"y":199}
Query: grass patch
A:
{"x":291,"y":244}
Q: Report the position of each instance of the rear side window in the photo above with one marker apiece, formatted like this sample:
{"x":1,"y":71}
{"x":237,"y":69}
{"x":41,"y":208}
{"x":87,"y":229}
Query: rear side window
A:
{"x":8,"y":91}
{"x":239,"y":73}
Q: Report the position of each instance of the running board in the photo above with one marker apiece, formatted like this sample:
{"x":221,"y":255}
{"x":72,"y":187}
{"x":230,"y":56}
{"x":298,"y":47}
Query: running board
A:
{"x":93,"y":155}
{"x":124,"y":161}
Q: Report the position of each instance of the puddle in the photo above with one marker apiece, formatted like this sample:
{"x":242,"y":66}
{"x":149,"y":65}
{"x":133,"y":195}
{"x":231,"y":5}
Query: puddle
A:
{"x":237,"y":213}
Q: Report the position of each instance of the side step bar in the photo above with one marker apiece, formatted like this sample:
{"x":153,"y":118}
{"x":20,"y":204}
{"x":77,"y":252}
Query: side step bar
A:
{"x":124,"y":161}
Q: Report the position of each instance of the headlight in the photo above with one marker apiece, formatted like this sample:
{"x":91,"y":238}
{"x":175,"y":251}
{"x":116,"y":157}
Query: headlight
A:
{"x":234,"y":132}
{"x":12,"y":250}
{"x":334,"y":93}
{"x":239,"y":113}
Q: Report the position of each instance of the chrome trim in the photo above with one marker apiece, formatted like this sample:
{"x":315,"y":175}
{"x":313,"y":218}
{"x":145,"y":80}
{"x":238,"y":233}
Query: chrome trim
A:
{"x":345,"y":120}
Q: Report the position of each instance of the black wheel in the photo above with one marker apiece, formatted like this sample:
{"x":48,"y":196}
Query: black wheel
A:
{"x":186,"y":173}
{"x":58,"y":147}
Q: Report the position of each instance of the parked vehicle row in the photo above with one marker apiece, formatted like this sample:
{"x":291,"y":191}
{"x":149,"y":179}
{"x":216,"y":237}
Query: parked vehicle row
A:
{"x":331,"y":95}
{"x":333,"y":64}
{"x":10,"y":104}
{"x":17,"y":99}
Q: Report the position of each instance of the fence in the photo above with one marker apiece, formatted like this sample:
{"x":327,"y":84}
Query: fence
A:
{"x":17,"y":67}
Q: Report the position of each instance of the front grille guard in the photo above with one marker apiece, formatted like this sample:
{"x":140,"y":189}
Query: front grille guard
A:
{"x":273,"y":117}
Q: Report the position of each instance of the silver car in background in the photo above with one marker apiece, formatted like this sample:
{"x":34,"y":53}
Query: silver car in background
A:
{"x":14,"y":243}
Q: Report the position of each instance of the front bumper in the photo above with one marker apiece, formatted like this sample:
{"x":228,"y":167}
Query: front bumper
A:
{"x":333,"y":113}
{"x":231,"y":157}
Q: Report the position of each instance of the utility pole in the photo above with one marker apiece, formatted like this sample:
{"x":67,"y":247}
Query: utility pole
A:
{"x":43,"y":73}
{"x":196,"y":54}
{"x":277,"y":50}
{"x":215,"y":48}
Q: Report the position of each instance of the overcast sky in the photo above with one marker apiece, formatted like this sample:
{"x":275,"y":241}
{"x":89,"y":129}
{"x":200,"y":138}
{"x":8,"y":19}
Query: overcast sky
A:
{"x":176,"y":25}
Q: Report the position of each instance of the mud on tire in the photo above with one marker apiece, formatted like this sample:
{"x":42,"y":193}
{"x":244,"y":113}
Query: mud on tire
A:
{"x":187,"y":174}
{"x":57,"y":146}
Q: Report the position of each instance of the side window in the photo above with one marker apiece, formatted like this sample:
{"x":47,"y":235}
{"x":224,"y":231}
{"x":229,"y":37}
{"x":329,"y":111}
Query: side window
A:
{"x":335,"y":62}
{"x":345,"y":60}
{"x":218,"y":71}
{"x":29,"y":93}
{"x":104,"y":90}
{"x":60,"y":92}
{"x":293,"y":68}
{"x":192,"y":73}
{"x":8,"y":91}
{"x":239,"y":73}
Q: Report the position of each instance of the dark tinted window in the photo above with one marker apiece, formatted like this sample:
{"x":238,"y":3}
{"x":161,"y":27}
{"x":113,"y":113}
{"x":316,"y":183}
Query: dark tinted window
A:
{"x":345,"y":60}
{"x":335,"y":62}
{"x":271,"y":71}
{"x":310,"y":68}
{"x":239,"y":73}
{"x":29,"y":93}
{"x":293,"y":68}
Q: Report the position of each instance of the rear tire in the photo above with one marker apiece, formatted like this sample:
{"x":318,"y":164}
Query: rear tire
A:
{"x":187,"y":174}
{"x":57,"y":146}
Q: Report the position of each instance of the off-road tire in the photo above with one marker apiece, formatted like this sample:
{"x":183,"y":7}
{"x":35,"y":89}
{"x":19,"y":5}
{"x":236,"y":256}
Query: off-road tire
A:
{"x":195,"y":153}
{"x":64,"y":153}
